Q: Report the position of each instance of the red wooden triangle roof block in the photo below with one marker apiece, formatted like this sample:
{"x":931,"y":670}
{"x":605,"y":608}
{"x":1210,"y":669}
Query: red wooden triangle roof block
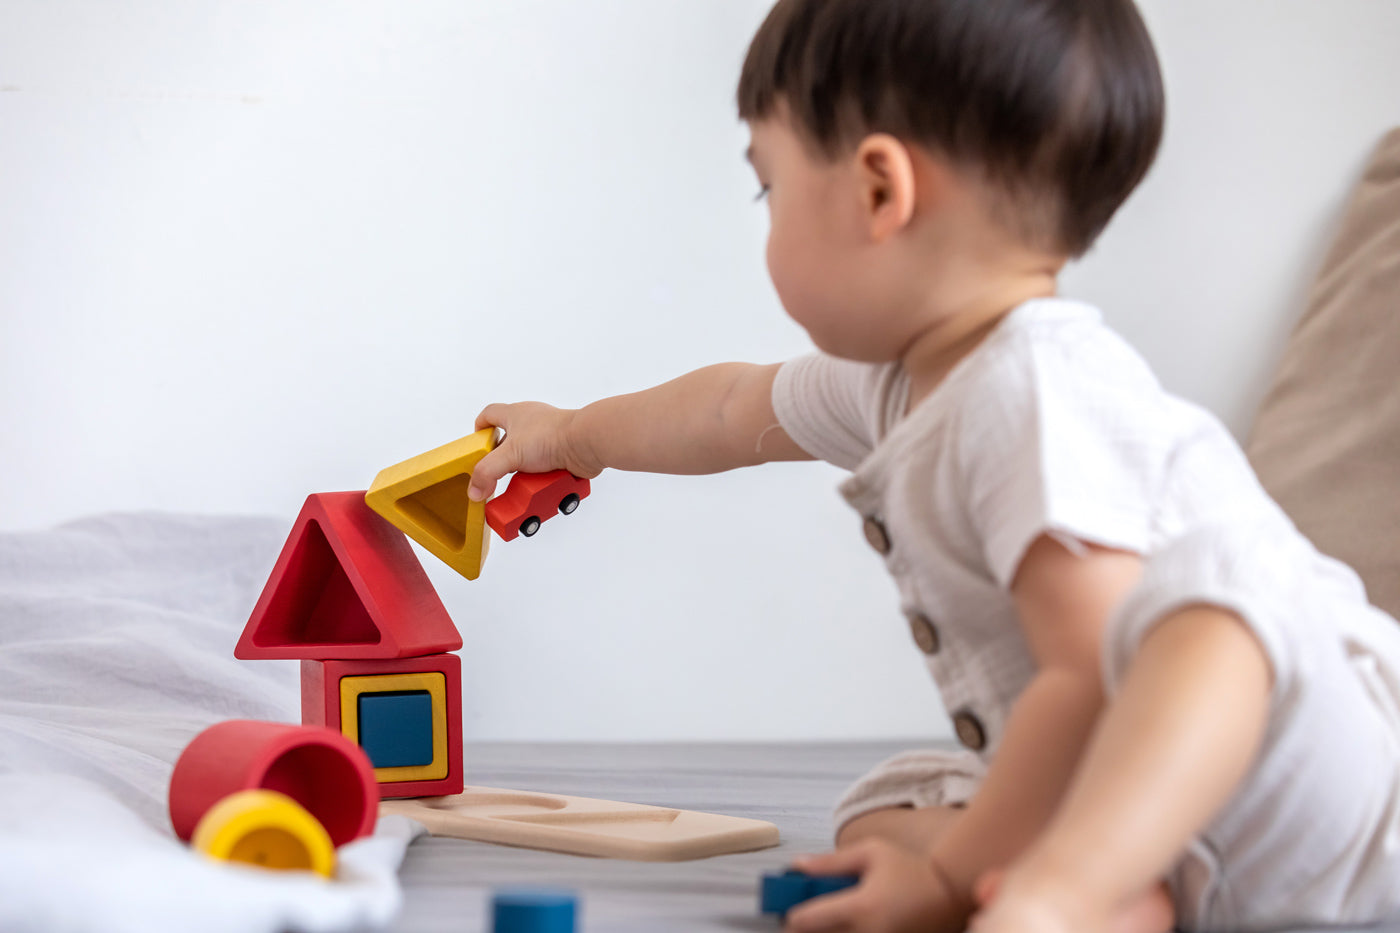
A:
{"x":346,"y":585}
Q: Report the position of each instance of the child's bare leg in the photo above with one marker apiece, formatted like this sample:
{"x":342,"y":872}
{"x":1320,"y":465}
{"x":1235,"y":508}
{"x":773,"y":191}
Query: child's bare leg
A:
{"x":1169,"y":750}
{"x":1153,"y":912}
{"x":913,"y":828}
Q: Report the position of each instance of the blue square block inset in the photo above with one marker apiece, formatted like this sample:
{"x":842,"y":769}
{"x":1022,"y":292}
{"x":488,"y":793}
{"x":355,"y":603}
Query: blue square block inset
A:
{"x":396,"y":728}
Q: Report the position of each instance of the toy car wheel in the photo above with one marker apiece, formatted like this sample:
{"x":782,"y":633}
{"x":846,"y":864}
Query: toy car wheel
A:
{"x":569,"y":503}
{"x":529,"y":526}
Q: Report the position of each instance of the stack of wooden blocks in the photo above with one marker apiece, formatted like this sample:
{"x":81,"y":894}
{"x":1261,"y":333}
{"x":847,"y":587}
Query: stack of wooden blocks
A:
{"x":349,"y":599}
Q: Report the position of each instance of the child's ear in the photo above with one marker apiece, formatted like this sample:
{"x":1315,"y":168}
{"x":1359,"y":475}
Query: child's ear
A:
{"x":885,"y":173}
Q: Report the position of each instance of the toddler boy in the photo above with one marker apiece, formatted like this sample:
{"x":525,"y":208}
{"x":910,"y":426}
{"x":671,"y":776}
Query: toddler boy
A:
{"x":1139,"y":651}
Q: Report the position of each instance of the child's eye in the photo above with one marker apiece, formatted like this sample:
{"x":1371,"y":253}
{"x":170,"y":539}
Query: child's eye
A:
{"x":762,"y":193}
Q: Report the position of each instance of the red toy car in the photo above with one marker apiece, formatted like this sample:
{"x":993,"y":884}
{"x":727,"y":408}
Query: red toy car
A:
{"x":532,"y":499}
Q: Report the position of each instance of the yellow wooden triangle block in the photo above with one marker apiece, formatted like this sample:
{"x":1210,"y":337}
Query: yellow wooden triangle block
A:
{"x":425,"y":497}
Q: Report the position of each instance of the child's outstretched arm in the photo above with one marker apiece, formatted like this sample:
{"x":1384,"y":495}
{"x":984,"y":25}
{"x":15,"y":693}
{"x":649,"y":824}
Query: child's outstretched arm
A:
{"x":1169,"y":751}
{"x":708,"y":421}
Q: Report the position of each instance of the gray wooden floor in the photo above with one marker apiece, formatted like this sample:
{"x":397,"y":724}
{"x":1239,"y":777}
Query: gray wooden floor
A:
{"x":448,"y":882}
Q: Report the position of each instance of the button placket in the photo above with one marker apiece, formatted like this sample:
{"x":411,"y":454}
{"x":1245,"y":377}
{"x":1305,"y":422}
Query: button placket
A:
{"x":877,"y":535}
{"x":925,"y":633}
{"x":969,"y":730}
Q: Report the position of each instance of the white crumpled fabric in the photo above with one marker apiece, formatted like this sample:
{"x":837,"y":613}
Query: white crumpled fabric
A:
{"x":116,"y":649}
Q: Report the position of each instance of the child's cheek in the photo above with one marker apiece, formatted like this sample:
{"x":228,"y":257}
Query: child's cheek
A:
{"x":774,"y":258}
{"x":780,"y":262}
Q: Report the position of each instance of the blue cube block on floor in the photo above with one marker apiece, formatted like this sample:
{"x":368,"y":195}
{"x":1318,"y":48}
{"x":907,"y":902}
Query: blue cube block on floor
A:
{"x":780,"y":893}
{"x":533,"y":910}
{"x":396,"y":729}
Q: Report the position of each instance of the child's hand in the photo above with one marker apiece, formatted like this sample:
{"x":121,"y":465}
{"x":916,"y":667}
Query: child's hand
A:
{"x":537,"y":439}
{"x":899,"y":892}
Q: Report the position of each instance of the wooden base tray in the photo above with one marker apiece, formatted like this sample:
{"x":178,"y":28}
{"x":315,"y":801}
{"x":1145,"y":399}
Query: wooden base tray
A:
{"x":583,"y":826}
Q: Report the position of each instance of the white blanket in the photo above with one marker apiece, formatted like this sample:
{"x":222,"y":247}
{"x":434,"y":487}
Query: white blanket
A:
{"x":116,"y":649}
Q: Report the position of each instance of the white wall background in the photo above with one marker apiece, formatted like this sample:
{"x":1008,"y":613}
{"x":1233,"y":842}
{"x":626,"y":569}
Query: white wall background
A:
{"x":251,"y":250}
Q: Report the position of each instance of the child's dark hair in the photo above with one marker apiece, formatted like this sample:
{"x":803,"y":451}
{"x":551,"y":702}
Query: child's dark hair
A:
{"x":1058,"y":104}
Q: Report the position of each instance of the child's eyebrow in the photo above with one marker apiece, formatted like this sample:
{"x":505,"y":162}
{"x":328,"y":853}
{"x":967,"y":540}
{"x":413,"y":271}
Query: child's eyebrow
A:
{"x":748,"y":155}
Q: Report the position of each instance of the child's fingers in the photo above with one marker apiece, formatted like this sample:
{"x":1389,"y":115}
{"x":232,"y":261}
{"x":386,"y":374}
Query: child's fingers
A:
{"x":851,"y":860}
{"x":492,"y":416}
{"x":530,"y":439}
{"x":488,"y":470}
{"x":829,"y":913}
{"x":500,"y":461}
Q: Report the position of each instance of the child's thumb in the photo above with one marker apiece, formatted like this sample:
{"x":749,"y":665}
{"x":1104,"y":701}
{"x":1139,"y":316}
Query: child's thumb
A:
{"x":488,"y":470}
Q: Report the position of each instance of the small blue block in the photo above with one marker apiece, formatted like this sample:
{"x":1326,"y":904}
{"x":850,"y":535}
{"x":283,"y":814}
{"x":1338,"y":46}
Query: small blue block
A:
{"x":830,"y":884}
{"x":396,"y":728}
{"x":533,"y":910}
{"x":780,"y":893}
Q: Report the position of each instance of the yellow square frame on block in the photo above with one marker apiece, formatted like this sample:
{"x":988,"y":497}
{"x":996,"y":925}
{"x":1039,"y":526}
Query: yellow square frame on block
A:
{"x":425,"y":497}
{"x":435,"y":683}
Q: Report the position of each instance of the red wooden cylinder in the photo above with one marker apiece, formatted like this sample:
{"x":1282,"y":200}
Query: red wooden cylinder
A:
{"x":319,"y":768}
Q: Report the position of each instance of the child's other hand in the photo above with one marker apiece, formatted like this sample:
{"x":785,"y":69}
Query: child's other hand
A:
{"x":537,"y":439}
{"x":898,"y":893}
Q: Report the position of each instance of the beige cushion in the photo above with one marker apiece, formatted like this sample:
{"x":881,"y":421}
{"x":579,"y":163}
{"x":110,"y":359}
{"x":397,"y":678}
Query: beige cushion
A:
{"x":1326,"y":442}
